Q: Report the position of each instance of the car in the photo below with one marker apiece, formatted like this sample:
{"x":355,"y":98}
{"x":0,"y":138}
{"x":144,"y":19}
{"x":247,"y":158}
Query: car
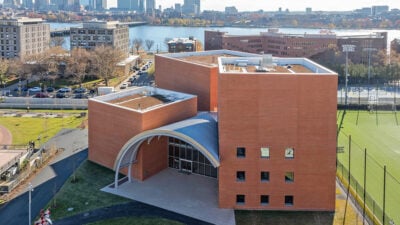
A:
{"x":49,"y":89}
{"x":80,"y":95}
{"x":64,"y":90}
{"x":80,"y":90}
{"x":123,"y":86}
{"x":35,"y":89}
{"x":41,"y":95}
{"x":61,"y":95}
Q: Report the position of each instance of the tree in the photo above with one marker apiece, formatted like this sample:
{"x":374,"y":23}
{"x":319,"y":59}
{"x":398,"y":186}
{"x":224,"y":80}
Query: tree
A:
{"x":104,"y":60}
{"x":137,"y":44}
{"x":21,"y":70}
{"x":149,"y":44}
{"x":4,"y":65}
{"x":78,"y":64}
{"x":57,"y":41}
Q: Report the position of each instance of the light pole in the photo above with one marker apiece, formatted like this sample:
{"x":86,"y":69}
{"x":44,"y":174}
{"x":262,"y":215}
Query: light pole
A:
{"x":30,"y":189}
{"x":347,"y":49}
{"x":369,"y":65}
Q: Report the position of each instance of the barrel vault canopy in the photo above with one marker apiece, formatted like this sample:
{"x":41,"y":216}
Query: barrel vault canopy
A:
{"x":200,"y":131}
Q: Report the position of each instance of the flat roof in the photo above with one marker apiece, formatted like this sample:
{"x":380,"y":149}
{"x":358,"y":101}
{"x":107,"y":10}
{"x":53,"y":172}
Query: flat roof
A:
{"x":143,"y":99}
{"x":207,"y":58}
{"x":9,"y":157}
{"x":267,"y":64}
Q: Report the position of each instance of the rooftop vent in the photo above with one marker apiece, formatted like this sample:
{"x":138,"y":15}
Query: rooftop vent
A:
{"x":266,"y":60}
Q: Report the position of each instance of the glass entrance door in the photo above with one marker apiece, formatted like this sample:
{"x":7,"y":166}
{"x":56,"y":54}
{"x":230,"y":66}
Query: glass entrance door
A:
{"x":186,"y":165}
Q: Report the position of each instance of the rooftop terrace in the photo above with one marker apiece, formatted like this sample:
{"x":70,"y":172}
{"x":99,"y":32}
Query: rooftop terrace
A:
{"x":143,"y":99}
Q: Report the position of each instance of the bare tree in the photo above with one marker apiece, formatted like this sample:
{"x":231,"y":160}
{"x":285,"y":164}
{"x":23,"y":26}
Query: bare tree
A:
{"x":104,"y":60}
{"x":137,"y":44}
{"x":78,"y":64}
{"x":57,"y":41}
{"x":149,"y":44}
{"x":21,"y":70}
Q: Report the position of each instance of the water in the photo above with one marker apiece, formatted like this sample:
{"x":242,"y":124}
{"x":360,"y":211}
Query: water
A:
{"x":159,"y":33}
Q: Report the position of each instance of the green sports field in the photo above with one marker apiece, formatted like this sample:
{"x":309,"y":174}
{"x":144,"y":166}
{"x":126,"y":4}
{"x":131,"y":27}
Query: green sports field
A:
{"x":378,"y":133}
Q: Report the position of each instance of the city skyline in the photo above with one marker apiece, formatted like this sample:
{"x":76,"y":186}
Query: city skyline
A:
{"x":292,"y":5}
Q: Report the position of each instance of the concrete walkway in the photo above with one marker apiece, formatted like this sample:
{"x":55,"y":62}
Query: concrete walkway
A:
{"x":187,"y":194}
{"x":5,"y":136}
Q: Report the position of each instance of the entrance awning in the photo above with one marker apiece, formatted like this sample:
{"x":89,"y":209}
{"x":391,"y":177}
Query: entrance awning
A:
{"x":200,"y":132}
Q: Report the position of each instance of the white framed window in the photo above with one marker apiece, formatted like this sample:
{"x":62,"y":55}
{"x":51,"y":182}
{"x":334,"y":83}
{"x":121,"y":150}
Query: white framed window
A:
{"x":265,"y":152}
{"x":289,"y":153}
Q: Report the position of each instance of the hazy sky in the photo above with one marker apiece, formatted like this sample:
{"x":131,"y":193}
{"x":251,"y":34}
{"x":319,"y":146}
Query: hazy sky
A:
{"x":273,"y":5}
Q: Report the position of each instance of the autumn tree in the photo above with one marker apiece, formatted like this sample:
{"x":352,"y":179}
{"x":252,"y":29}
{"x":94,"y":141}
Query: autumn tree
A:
{"x":149,"y":44}
{"x":4,"y":65}
{"x":78,"y":64}
{"x":21,"y":70}
{"x":104,"y":60}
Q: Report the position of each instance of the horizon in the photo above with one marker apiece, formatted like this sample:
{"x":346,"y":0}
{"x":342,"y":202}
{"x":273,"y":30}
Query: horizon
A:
{"x":291,"y":5}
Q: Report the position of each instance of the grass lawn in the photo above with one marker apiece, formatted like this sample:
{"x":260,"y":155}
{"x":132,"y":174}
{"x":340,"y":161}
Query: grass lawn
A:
{"x":90,"y":179}
{"x":25,"y":129}
{"x":379,"y":133}
{"x":136,"y":221}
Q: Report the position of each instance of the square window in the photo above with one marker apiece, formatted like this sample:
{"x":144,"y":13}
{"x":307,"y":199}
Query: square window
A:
{"x":289,"y":177}
{"x":289,"y":200}
{"x":264,"y":176}
{"x":264,"y":199}
{"x":240,"y":199}
{"x":289,"y":153}
{"x":241,"y":152}
{"x":240,"y":176}
{"x":265,"y":152}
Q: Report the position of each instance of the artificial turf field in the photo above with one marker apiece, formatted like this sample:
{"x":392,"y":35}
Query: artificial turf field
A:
{"x":379,"y":133}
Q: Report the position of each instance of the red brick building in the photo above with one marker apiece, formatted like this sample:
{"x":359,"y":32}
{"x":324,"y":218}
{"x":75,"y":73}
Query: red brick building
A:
{"x":296,"y":45}
{"x":271,"y":143}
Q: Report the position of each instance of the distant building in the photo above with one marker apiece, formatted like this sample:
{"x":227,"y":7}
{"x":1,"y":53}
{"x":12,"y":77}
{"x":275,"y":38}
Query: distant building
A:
{"x":96,"y":33}
{"x":183,"y":45}
{"x":150,"y":6}
{"x":363,"y":43}
{"x":97,"y":5}
{"x":41,"y":4}
{"x":294,"y":45}
{"x":27,"y":4}
{"x":379,"y":9}
{"x":308,"y":10}
{"x":178,"y":8}
{"x":191,"y":7}
{"x":231,"y":10}
{"x":366,"y":11}
{"x":128,"y":5}
{"x":21,"y":37}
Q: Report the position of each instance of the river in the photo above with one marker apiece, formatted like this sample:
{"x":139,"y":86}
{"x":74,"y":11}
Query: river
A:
{"x":159,"y":33}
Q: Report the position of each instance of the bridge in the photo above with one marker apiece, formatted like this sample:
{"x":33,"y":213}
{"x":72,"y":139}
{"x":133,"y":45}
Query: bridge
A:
{"x":60,"y":32}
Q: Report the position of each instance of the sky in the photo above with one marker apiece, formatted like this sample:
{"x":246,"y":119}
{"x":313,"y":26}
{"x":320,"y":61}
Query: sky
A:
{"x":274,"y":5}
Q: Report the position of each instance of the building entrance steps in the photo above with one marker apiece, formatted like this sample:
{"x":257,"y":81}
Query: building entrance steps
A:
{"x":187,"y":194}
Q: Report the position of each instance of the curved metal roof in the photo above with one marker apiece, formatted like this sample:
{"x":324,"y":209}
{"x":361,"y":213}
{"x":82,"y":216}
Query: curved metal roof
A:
{"x":200,"y":131}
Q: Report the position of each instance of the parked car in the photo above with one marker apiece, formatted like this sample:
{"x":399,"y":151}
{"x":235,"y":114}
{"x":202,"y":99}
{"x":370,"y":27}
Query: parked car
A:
{"x":34,"y":89}
{"x":49,"y":89}
{"x":64,"y":90}
{"x":81,"y":95}
{"x":41,"y":95}
{"x":123,"y":86}
{"x":61,"y":95}
{"x":80,"y":90}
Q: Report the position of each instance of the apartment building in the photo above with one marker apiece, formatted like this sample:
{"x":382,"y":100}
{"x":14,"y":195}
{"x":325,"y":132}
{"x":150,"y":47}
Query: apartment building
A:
{"x":96,"y":33}
{"x":22,"y":37}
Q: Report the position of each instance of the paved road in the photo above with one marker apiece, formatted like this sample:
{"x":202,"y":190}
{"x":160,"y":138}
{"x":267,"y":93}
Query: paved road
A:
{"x":74,"y":142}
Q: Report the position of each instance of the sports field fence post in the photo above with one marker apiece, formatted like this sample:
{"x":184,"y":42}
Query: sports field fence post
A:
{"x":384,"y":195}
{"x":365,"y":182}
